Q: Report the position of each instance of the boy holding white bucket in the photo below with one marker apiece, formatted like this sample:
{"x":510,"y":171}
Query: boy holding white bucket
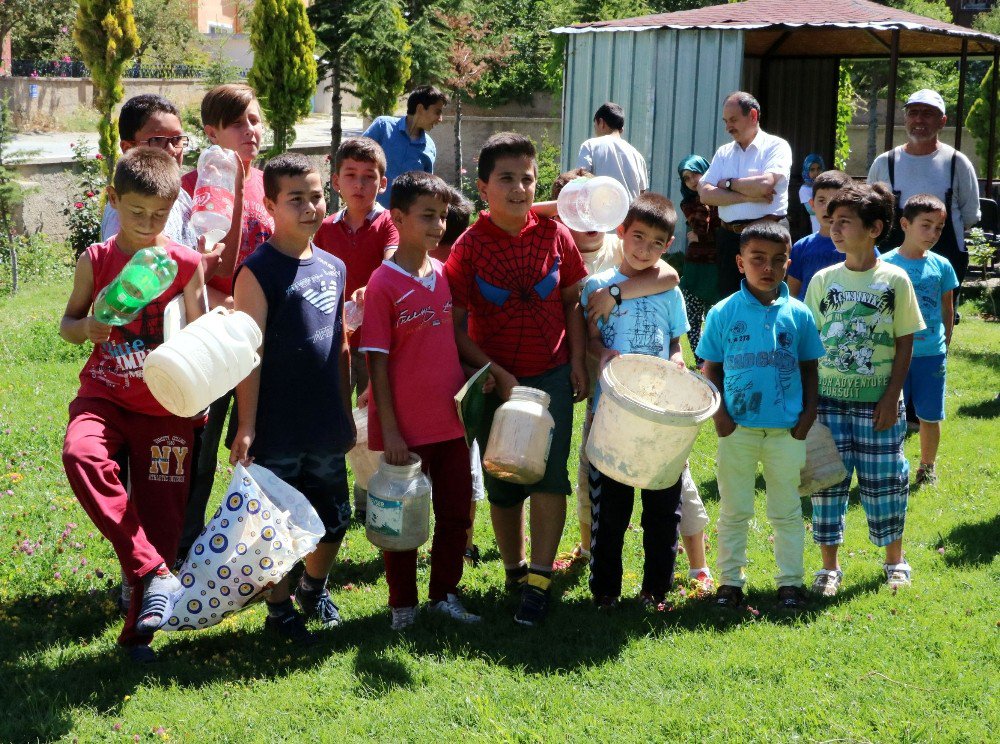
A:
{"x":761,"y":348}
{"x":649,"y":325}
{"x":114,"y":409}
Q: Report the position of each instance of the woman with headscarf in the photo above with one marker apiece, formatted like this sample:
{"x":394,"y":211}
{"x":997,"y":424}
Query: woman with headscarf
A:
{"x":812,"y":166}
{"x":699,"y":278}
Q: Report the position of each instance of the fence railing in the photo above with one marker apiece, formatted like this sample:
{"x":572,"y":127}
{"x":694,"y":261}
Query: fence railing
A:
{"x":77,"y":69}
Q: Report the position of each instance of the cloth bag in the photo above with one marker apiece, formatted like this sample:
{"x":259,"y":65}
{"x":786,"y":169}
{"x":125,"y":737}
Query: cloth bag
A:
{"x":824,"y":467}
{"x":263,"y":528}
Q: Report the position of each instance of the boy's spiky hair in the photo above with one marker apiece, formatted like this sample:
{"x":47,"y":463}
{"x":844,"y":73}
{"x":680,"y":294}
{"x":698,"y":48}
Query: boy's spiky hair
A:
{"x":148,"y":171}
{"x":282,"y":166}
{"x":919,"y":204}
{"x":362,"y":149}
{"x":410,"y":186}
{"x":831,"y":179}
{"x":503,"y":145}
{"x":654,"y":210}
{"x":772,"y":232}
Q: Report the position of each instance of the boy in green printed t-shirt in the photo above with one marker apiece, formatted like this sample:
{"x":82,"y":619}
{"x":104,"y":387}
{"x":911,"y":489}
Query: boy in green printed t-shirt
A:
{"x":867,"y":313}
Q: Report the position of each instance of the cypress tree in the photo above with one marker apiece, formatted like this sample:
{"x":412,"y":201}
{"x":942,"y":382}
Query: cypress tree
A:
{"x":383,"y":51}
{"x":106,"y":36}
{"x":284,"y":68}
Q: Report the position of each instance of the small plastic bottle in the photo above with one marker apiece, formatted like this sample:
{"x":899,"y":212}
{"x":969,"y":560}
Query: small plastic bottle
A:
{"x":214,"y":194}
{"x":354,"y":315}
{"x":144,"y":278}
{"x":518,"y":448}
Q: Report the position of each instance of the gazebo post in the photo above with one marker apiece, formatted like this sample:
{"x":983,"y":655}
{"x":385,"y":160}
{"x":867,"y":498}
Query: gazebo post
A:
{"x":890,"y":98}
{"x":963,"y":68}
{"x":992,"y":148}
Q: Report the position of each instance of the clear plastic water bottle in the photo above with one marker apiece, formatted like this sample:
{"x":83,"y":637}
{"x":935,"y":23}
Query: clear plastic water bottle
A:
{"x":593,"y":204}
{"x":214,"y":194}
{"x":354,"y":315}
{"x":145,"y":277}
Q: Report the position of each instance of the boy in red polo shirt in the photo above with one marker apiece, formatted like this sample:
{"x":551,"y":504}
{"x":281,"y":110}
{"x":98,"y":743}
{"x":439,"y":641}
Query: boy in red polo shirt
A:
{"x":413,"y":358}
{"x":517,"y":278}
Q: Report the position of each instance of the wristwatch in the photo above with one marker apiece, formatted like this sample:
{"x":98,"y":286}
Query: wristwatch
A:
{"x":616,"y":293}
{"x":729,"y":184}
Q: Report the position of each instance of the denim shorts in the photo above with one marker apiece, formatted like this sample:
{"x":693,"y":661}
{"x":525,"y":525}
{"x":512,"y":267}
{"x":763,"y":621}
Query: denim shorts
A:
{"x":924,"y":386}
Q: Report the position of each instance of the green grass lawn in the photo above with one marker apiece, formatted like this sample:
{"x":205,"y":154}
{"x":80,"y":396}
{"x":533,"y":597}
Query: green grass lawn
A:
{"x":920,"y":665}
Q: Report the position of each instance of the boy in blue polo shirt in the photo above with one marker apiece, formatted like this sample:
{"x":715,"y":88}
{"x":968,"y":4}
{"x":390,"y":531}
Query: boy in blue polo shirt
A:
{"x":761,"y":349}
{"x":404,"y":139}
{"x":934,"y":280}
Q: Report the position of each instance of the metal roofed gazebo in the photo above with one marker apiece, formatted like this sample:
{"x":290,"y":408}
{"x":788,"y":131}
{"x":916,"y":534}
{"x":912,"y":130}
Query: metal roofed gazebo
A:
{"x":671,"y":71}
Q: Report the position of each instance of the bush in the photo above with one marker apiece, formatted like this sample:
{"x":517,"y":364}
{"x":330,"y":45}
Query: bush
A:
{"x":87,"y":199}
{"x":38,"y":259}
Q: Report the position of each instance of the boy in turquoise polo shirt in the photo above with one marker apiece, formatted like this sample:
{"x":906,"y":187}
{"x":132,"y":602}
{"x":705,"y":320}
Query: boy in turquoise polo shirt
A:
{"x":761,"y":347}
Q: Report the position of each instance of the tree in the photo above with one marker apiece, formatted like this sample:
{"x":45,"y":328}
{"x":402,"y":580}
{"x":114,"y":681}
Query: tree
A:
{"x":48,"y":36}
{"x":284,"y":70}
{"x":168,"y":37}
{"x":106,"y":36}
{"x":845,"y":113}
{"x":978,"y":122}
{"x":331,"y":22}
{"x":11,"y":192}
{"x":382,"y":55}
{"x":468,"y":60}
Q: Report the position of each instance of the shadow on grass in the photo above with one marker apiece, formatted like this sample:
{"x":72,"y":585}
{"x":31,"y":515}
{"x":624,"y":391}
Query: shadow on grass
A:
{"x":973,"y":543}
{"x":57,"y":659}
{"x":989,"y":358}
{"x":984,"y":409}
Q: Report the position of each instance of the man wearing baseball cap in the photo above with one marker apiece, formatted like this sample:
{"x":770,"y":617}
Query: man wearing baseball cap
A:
{"x":925,"y":165}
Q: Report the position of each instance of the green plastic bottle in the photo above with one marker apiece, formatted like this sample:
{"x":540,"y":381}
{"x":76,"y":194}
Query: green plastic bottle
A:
{"x":145,"y":277}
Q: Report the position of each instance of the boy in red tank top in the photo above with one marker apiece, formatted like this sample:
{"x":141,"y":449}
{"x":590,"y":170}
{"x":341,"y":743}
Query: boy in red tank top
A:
{"x":114,"y":409}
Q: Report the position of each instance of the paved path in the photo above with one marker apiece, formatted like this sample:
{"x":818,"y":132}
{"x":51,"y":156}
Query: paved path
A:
{"x":55,"y":146}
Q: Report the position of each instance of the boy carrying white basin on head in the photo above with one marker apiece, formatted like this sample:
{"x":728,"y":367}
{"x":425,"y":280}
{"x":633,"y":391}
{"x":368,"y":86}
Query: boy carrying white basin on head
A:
{"x":649,"y":325}
{"x":761,"y":349}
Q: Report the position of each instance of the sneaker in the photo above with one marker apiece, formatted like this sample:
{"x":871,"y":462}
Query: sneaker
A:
{"x":650,"y":601}
{"x":791,"y":598}
{"x":472,"y":556}
{"x":292,"y":627}
{"x":403,"y":617}
{"x":515,"y":582}
{"x":453,"y":608}
{"x":827,"y":582}
{"x":318,"y":605}
{"x":534,"y":605}
{"x":606,"y":602}
{"x":926,"y":475}
{"x":141,"y":655}
{"x":898,"y":575}
{"x":703,"y":578}
{"x":729,"y":596}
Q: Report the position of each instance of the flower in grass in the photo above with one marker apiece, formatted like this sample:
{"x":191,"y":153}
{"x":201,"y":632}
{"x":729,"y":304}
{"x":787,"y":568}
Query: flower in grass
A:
{"x":753,"y":611}
{"x":57,"y":575}
{"x":78,"y":205}
{"x":15,"y":477}
{"x":117,"y":727}
{"x":941,"y":550}
{"x":98,"y":156}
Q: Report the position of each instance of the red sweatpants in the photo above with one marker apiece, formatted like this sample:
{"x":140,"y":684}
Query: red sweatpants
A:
{"x":447,"y":464}
{"x":144,"y":530}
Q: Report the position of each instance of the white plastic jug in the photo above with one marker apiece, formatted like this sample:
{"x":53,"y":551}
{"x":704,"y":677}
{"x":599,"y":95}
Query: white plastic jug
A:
{"x":203,"y":361}
{"x":592,"y":204}
{"x":362,"y":460}
{"x":824,"y":466}
{"x":647,"y":420}
{"x":520,"y":437}
{"x":398,"y":516}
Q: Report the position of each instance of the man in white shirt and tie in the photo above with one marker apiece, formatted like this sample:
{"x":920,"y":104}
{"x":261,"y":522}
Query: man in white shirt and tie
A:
{"x":747,"y":180}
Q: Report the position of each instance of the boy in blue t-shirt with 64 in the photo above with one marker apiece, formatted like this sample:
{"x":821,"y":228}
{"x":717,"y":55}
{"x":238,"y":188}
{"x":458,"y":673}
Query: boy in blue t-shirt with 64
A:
{"x":934,"y":281}
{"x":761,"y":347}
{"x":649,"y":325}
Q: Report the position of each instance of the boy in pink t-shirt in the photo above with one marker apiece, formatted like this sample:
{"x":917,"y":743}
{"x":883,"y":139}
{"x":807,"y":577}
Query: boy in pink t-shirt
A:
{"x":413,"y":363}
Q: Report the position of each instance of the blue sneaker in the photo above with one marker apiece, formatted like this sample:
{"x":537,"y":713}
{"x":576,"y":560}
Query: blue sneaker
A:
{"x":318,"y":605}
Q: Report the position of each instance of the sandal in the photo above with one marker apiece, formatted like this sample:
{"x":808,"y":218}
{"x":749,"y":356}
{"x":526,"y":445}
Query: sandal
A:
{"x":898,"y":575}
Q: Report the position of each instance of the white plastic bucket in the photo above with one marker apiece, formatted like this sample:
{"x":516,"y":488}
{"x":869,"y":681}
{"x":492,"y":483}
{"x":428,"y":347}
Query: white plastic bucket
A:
{"x":647,"y":420}
{"x":593,"y":204}
{"x":362,"y":460}
{"x":203,"y":361}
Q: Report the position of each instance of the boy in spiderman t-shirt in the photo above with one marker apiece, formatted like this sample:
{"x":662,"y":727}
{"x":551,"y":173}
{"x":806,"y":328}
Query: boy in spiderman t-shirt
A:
{"x":516,"y":276}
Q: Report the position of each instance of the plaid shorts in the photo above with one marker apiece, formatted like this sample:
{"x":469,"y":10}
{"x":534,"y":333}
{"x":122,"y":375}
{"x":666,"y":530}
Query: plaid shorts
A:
{"x":883,"y":473}
{"x":322,"y":479}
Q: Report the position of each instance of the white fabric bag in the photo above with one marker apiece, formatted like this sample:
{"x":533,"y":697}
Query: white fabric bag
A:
{"x":263,"y":528}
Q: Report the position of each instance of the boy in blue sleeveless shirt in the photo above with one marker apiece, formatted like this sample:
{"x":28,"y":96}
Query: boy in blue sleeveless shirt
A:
{"x":761,"y":348}
{"x":294,"y":410}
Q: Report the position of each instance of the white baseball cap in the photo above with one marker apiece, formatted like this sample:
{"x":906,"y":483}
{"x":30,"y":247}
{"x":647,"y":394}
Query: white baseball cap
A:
{"x":928,"y":97}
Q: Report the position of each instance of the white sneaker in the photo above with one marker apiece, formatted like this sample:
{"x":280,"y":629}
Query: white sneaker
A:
{"x":827,"y":582}
{"x":403,"y":617}
{"x":452,"y":607}
{"x":898,"y":575}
